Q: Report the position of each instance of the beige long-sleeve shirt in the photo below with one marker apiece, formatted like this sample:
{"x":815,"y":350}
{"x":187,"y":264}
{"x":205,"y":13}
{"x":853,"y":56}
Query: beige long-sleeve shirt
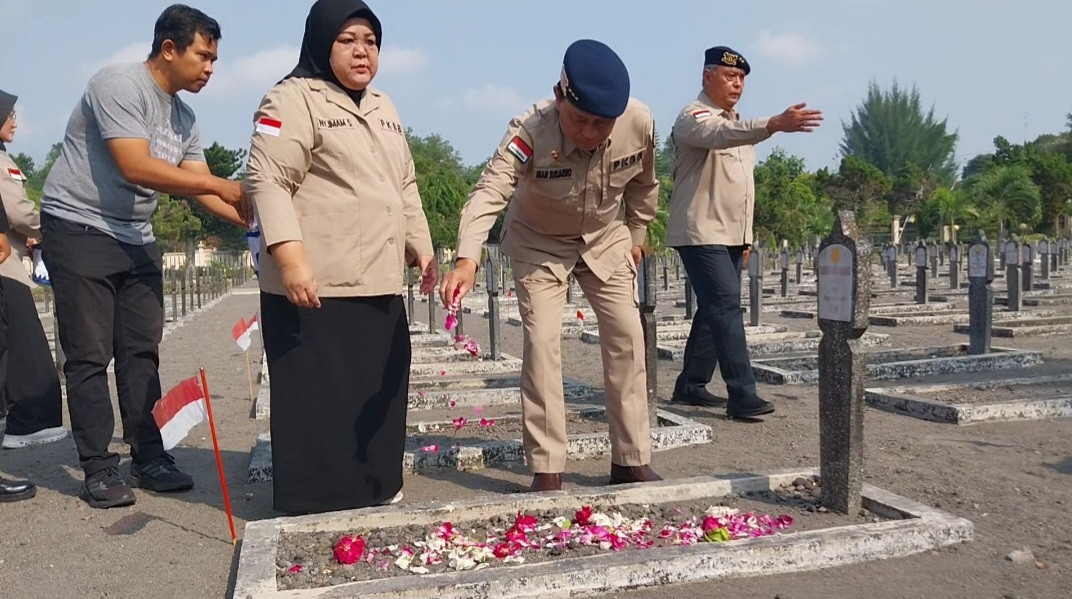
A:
{"x":23,"y":218}
{"x":568,"y":204}
{"x":713,"y":202}
{"x":340,"y":179}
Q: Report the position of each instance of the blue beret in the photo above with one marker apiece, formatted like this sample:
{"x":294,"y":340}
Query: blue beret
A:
{"x":594,"y":79}
{"x":724,"y":56}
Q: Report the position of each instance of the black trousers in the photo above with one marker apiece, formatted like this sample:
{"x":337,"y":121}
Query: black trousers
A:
{"x":34,"y":399}
{"x":340,"y":384}
{"x":3,"y":361}
{"x":109,"y":304}
{"x":717,"y":335}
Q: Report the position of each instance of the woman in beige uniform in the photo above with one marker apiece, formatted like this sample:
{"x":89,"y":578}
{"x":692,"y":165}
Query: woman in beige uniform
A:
{"x":334,"y":187}
{"x":32,"y":392}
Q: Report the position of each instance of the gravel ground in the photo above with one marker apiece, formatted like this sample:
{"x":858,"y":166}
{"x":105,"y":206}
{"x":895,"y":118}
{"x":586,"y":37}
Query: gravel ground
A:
{"x":1014,"y":480}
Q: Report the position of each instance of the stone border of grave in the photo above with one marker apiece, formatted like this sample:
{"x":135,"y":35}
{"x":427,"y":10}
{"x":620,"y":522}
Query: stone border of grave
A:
{"x":807,"y":341}
{"x":900,"y":400}
{"x":948,"y":317}
{"x":1042,"y":327}
{"x":484,"y":365}
{"x":676,"y":431}
{"x":999,"y":358}
{"x":422,"y":399}
{"x":913,"y":528}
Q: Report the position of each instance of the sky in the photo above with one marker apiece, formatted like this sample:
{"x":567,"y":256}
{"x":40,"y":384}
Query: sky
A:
{"x":463,"y":69}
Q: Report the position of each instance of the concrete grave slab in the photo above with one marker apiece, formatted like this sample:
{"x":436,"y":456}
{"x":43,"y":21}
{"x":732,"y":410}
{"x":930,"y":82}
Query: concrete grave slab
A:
{"x":947,"y":317}
{"x":912,"y":401}
{"x":1035,"y":327}
{"x":912,"y":528}
{"x":674,"y":431}
{"x":898,"y":363}
{"x":468,"y":366}
{"x":681,"y":332}
{"x":778,"y":344}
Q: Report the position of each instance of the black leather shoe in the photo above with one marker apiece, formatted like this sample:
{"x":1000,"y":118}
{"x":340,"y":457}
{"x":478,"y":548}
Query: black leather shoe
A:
{"x":749,"y":408}
{"x":620,"y":475}
{"x":699,"y":397}
{"x":543,"y":481}
{"x":16,"y":490}
{"x":161,"y":475}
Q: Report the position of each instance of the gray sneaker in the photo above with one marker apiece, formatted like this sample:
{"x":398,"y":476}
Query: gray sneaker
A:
{"x":161,"y":475}
{"x":105,"y":490}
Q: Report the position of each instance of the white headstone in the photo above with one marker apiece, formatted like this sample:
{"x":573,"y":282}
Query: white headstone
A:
{"x":977,"y":261}
{"x":921,"y":257}
{"x":1012,"y":253}
{"x":835,"y":283}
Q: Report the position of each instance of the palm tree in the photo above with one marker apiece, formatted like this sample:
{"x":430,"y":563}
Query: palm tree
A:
{"x":952,"y":206}
{"x":1007,"y":196}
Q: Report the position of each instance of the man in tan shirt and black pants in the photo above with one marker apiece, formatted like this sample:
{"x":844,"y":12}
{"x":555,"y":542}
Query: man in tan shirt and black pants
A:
{"x":573,"y":165}
{"x":711,"y":212}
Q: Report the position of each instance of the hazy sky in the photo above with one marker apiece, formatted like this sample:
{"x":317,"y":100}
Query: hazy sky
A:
{"x":462,"y":69}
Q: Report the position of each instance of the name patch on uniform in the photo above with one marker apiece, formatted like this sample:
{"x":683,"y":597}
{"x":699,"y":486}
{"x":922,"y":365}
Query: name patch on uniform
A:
{"x":700,"y":115}
{"x":16,"y":174}
{"x":628,"y":161}
{"x":336,"y":123}
{"x":269,"y":126}
{"x":519,"y":148}
{"x":391,"y":126}
{"x":554,"y":173}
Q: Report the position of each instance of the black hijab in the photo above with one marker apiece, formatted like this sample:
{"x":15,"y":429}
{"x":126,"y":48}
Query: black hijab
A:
{"x":7,"y":106}
{"x":322,"y":26}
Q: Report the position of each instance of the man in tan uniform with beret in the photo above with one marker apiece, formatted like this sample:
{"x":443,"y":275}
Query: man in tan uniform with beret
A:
{"x":574,"y":166}
{"x":711,"y":212}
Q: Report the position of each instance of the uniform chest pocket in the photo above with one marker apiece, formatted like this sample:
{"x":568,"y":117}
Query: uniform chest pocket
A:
{"x":729,"y":155}
{"x":559,"y":190}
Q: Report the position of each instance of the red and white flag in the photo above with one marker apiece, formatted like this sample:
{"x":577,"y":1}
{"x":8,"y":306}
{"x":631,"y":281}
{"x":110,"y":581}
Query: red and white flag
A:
{"x":580,"y":318}
{"x":180,"y":410}
{"x":242,"y":331}
{"x":269,"y":126}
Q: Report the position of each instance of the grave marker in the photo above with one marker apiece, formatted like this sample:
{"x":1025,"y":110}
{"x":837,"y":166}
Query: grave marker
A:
{"x":409,"y":293}
{"x":494,"y":332}
{"x":1027,"y":254}
{"x":932,"y":253}
{"x":844,"y":296}
{"x":1012,"y":274}
{"x":784,"y":258}
{"x":648,"y":299}
{"x":954,"y":267}
{"x":800,"y":265}
{"x":922,"y":291}
{"x":755,"y":286}
{"x":690,"y":298}
{"x":980,"y":295}
{"x":1044,"y":259}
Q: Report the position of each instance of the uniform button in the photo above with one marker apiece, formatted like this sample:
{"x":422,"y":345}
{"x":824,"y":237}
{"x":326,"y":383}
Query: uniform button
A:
{"x":388,"y":210}
{"x":391,"y":241}
{"x":382,"y":177}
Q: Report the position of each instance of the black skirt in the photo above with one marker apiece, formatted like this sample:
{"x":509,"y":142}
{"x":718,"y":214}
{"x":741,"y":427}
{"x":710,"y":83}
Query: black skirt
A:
{"x":339,"y":381}
{"x":32,"y":391}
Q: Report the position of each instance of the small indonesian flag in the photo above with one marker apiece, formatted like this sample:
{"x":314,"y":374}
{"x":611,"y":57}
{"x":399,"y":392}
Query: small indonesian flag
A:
{"x":519,"y":148}
{"x":253,"y":239}
{"x":700,"y":115}
{"x":580,"y":318}
{"x":269,"y":126}
{"x":15,"y":174}
{"x":241,"y":332}
{"x":179,"y":411}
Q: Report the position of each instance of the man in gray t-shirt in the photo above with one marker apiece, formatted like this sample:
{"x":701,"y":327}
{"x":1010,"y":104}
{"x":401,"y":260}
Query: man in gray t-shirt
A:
{"x":129,"y":138}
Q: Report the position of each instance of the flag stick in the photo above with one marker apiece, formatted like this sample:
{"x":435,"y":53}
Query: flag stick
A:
{"x":219,"y":460}
{"x":249,"y":373}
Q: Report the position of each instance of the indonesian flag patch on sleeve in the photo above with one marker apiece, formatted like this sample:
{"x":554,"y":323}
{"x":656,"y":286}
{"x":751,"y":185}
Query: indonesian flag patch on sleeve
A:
{"x":519,"y":148}
{"x":269,"y":126}
{"x":700,"y":115}
{"x":15,"y":174}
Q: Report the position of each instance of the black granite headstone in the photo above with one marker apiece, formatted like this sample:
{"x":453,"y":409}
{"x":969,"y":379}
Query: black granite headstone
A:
{"x":844,"y":296}
{"x":755,"y":286}
{"x":980,"y":295}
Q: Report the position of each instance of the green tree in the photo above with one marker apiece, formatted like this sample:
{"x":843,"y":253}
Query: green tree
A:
{"x":37,"y":181}
{"x":1006,"y":196}
{"x":175,"y":224}
{"x":946,"y":207}
{"x":890,"y":130}
{"x":216,"y":232}
{"x":25,"y":163}
{"x":444,"y":185}
{"x":858,"y":186}
{"x":787,"y":205}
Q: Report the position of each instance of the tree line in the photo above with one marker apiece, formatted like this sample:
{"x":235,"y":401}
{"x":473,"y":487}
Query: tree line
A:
{"x":898,"y":159}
